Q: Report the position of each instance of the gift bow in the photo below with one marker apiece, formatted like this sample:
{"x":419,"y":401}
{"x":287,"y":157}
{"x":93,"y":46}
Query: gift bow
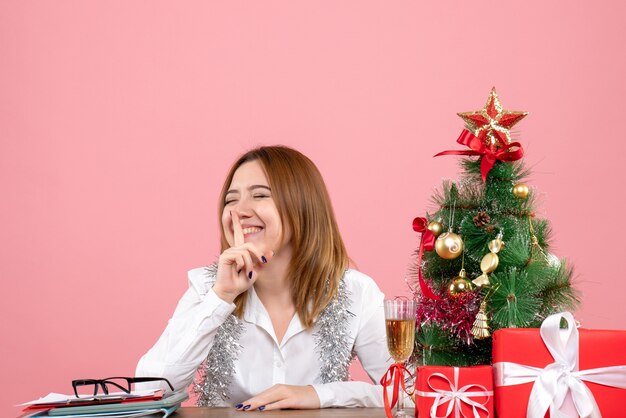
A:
{"x":394,"y":374}
{"x":510,"y":152}
{"x":553,"y":382}
{"x":427,"y":242}
{"x":455,"y":396}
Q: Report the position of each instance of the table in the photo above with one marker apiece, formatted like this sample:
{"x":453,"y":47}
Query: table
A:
{"x":199,"y":412}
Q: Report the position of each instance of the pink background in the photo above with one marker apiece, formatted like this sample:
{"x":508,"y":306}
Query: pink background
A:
{"x":118,"y":120}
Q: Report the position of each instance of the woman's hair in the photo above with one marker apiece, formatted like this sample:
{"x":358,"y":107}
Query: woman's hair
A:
{"x":319,"y":257}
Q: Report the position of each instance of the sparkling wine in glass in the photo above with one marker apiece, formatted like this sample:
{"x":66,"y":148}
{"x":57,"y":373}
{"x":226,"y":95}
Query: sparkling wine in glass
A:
{"x":400,"y":322}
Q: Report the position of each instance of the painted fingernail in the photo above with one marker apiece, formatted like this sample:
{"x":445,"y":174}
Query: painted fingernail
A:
{"x":249,"y":275}
{"x":263,"y":259}
{"x":239,"y":405}
{"x":262,"y":407}
{"x":245,"y":408}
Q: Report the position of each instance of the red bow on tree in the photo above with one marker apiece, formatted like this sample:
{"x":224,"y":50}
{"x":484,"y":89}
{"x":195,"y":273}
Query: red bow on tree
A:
{"x":489,"y":154}
{"x":427,"y":242}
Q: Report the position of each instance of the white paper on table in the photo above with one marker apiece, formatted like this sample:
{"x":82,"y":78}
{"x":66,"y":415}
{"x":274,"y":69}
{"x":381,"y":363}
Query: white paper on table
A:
{"x":63,"y":399}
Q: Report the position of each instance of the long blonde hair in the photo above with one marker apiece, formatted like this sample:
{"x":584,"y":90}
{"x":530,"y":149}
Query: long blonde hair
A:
{"x":319,"y":257}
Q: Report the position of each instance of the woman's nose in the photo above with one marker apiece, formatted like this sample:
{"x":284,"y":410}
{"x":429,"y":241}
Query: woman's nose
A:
{"x":243,"y":208}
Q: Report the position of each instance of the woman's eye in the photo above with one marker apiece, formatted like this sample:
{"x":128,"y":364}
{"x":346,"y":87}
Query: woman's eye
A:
{"x":260,"y":196}
{"x":228,"y":202}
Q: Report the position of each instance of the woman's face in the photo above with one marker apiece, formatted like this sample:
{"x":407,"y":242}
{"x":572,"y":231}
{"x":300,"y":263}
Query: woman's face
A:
{"x":250,"y":197}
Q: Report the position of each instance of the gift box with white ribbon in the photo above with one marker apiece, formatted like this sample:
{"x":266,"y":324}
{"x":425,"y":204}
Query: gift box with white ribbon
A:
{"x":454,"y":392}
{"x":559,"y":372}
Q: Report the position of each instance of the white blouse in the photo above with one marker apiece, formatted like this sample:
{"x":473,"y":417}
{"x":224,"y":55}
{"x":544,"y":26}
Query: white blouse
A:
{"x":262,"y":361}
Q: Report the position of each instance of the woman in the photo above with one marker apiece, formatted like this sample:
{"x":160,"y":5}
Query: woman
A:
{"x":276,"y":321}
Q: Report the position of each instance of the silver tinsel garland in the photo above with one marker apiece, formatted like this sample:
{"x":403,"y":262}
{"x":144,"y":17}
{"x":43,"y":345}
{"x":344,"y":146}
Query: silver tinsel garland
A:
{"x":332,"y":338}
{"x":217,"y":370}
{"x":332,"y":342}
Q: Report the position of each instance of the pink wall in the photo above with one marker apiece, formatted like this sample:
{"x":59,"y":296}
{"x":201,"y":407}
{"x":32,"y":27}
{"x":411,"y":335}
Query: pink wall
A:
{"x":119,"y":119}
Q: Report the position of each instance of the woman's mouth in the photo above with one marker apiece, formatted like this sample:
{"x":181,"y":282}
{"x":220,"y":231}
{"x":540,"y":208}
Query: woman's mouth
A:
{"x":251,"y":230}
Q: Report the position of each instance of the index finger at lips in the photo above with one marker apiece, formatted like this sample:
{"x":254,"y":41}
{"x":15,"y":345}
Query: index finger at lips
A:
{"x":237,"y":231}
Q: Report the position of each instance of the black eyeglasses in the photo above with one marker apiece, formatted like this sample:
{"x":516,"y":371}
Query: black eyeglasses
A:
{"x":88,"y":388}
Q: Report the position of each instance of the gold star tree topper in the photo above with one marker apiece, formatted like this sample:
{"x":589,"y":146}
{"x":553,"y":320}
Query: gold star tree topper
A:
{"x":492,"y":124}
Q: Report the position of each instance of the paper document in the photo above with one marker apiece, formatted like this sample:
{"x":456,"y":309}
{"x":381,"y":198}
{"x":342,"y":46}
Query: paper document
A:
{"x":54,"y":398}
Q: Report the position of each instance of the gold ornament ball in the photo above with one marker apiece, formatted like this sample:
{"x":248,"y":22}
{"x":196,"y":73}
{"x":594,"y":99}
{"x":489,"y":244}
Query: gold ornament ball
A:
{"x":520,"y":190}
{"x":449,"y":245}
{"x":435,"y":227}
{"x":458,"y":286}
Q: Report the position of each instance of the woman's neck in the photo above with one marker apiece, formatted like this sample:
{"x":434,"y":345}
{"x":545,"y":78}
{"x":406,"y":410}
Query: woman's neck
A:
{"x":272,"y":286}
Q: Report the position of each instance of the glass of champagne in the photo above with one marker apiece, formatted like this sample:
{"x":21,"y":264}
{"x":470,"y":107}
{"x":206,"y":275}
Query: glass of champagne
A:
{"x":400,"y":321}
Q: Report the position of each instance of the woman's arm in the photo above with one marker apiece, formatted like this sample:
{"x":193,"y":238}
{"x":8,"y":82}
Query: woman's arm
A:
{"x":188,"y":336}
{"x":370,"y":346}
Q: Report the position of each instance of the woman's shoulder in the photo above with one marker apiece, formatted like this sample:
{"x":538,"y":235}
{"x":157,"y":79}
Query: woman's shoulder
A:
{"x":365,"y":296}
{"x":360,"y":283}
{"x":201,"y":279}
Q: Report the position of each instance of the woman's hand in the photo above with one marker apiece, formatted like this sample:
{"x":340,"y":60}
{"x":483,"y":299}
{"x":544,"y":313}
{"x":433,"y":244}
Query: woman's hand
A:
{"x":235,"y":267}
{"x":283,"y":397}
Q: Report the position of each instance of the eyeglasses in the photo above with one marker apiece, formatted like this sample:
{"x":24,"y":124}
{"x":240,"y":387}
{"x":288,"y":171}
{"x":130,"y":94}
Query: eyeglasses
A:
{"x":84,"y":388}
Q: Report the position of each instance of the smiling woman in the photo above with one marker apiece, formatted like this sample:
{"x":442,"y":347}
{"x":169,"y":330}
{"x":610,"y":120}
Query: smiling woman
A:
{"x":276,"y":321}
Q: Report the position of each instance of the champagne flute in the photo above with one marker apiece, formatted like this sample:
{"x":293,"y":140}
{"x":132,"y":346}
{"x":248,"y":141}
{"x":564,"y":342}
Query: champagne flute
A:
{"x":400,"y":321}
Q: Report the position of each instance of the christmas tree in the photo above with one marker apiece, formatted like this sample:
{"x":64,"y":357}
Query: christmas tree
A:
{"x":484,"y":259}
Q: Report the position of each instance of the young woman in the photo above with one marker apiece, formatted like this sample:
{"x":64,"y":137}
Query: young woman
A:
{"x":276,"y":321}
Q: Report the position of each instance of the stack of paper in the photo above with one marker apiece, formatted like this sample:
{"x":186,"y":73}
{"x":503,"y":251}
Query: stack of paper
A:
{"x":115,"y":405}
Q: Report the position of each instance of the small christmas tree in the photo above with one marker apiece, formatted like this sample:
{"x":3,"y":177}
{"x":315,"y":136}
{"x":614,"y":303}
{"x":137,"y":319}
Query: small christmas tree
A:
{"x":484,"y":260}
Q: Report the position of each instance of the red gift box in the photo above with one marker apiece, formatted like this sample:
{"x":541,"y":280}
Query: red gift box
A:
{"x":454,"y":391}
{"x":549,"y":351}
